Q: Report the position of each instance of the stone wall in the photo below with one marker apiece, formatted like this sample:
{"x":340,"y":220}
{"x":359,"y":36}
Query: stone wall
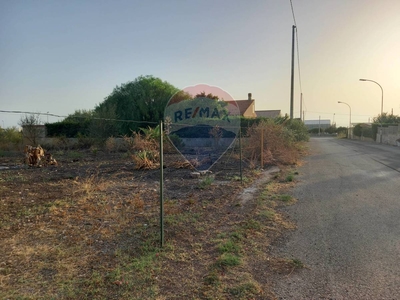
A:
{"x":389,"y":135}
{"x":363,"y":138}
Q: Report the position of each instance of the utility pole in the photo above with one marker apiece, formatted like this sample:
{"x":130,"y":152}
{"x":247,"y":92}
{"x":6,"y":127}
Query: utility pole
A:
{"x":301,"y":105}
{"x":292,"y":74}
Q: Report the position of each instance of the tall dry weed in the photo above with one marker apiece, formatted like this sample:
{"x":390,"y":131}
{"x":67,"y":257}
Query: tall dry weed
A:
{"x":145,"y":149}
{"x":278,"y":144}
{"x":111,"y":145}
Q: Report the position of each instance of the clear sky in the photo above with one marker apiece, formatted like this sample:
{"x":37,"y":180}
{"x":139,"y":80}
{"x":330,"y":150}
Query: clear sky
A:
{"x":61,"y":56}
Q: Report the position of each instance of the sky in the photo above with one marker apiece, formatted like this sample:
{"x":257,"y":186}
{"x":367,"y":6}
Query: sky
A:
{"x":57,"y":57}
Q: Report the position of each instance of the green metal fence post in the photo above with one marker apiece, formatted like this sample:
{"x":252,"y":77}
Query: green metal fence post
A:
{"x":240,"y":151}
{"x":161,"y":187}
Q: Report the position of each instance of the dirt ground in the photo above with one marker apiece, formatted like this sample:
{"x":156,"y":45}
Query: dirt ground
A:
{"x":89,"y":228}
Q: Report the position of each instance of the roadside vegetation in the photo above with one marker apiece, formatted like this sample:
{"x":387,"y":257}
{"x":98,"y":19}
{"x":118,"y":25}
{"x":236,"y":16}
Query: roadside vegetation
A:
{"x":10,"y":139}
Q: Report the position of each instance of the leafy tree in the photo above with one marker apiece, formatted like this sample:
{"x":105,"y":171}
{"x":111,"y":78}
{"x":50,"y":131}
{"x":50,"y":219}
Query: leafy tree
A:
{"x":80,"y":116}
{"x":357,"y":130}
{"x":76,"y":124}
{"x":342,"y":130}
{"x":209,"y":96}
{"x":386,"y":118}
{"x":212,"y":107}
{"x":66,"y":129}
{"x":331,"y":129}
{"x":141,"y":101}
{"x":362,"y":130}
{"x":104,"y":123}
{"x":367,"y":132}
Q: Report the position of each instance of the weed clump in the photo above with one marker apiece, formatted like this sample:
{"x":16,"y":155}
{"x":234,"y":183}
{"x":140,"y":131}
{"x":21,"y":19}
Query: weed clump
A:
{"x":297,"y":263}
{"x":145,"y":149}
{"x":228,"y":260}
{"x":206,"y":182}
{"x":281,"y":141}
{"x":244,"y":290}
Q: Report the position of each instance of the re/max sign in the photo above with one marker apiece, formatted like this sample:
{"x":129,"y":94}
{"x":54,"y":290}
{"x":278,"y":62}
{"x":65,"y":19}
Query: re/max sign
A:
{"x":200,"y":112}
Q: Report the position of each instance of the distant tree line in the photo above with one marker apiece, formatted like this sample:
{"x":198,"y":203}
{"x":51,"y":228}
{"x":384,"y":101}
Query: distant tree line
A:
{"x":330,"y":130}
{"x":135,"y":105}
{"x":140,"y":104}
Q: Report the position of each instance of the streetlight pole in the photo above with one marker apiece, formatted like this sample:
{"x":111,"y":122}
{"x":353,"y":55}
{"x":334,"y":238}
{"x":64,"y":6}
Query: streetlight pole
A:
{"x":350,"y":133}
{"x":362,"y":79}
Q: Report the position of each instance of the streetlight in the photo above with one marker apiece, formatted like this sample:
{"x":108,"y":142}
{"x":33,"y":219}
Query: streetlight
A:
{"x":350,"y":133}
{"x":381,"y":90}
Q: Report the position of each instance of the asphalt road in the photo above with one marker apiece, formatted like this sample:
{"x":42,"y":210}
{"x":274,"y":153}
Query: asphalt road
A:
{"x":348,"y":223}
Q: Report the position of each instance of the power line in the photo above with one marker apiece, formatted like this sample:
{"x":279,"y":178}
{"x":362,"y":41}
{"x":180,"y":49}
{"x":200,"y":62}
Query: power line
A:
{"x":77,"y":117}
{"x":102,"y":119}
{"x":31,"y":113}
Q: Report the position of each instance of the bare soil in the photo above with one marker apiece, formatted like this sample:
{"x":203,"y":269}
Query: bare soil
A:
{"x":89,"y":228}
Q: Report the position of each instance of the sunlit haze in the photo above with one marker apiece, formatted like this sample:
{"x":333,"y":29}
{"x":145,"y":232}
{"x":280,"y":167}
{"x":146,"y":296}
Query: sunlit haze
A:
{"x":61,"y":56}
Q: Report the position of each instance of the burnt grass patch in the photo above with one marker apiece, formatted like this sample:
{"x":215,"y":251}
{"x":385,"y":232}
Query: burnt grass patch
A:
{"x":89,"y":229}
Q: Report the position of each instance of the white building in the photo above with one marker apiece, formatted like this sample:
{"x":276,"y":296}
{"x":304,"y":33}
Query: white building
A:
{"x":323,"y":124}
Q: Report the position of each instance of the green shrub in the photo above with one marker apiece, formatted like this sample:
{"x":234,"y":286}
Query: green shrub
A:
{"x":10,"y":138}
{"x":298,"y":130}
{"x":206,"y":182}
{"x":228,"y":260}
{"x":69,"y":129}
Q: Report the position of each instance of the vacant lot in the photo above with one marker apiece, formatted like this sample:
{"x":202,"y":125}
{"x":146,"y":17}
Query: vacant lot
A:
{"x":89,"y":229}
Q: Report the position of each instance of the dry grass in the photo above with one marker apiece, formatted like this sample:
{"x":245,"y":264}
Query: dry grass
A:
{"x":95,"y":235}
{"x":65,"y":248}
